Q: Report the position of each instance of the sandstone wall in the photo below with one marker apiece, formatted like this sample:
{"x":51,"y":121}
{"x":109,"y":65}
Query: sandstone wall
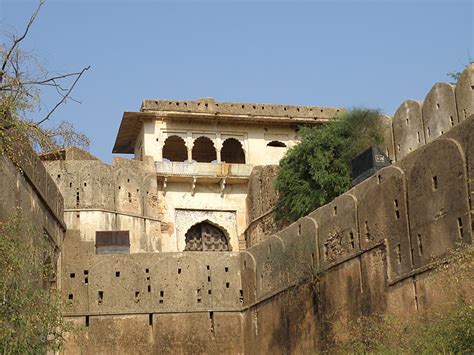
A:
{"x":413,"y":125}
{"x":371,"y":250}
{"x":261,"y":199}
{"x":152,"y":302}
{"x":28,"y":188}
{"x":122,"y":196}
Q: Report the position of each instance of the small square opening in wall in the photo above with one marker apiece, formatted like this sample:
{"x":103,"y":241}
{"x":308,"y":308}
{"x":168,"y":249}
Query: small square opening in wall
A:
{"x":227,"y":284}
{"x":70,"y":297}
{"x":72,"y":275}
{"x":117,"y":273}
{"x":86,"y":272}
{"x":179,"y":271}
{"x":226,"y":269}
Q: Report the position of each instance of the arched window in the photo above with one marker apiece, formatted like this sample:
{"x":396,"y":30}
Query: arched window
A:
{"x":203,"y":150}
{"x":205,"y":236}
{"x":175,"y":149}
{"x":232,"y":151}
{"x":276,"y":144}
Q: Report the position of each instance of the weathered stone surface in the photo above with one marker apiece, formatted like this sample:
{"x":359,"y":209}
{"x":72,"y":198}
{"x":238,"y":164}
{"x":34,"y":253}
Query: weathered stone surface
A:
{"x":337,"y":229}
{"x":127,"y":284}
{"x":408,"y":132}
{"x":438,"y":205}
{"x":301,"y":250}
{"x":270,"y":263}
{"x":387,"y":147}
{"x":382,"y":216}
{"x":439,"y":111}
{"x":261,"y":200}
{"x":209,"y":105}
{"x":465,"y":93}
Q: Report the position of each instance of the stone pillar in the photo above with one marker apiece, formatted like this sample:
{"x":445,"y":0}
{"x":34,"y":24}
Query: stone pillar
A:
{"x":189,"y":145}
{"x":218,"y":146}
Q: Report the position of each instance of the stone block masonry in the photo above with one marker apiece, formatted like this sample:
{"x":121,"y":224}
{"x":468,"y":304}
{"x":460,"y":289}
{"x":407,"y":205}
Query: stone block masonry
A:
{"x":371,"y":250}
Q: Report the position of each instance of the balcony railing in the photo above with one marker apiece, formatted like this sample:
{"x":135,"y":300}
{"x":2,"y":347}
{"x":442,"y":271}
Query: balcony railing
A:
{"x":202,"y":169}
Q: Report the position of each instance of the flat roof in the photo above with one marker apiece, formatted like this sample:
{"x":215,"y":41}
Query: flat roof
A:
{"x":208,"y":109}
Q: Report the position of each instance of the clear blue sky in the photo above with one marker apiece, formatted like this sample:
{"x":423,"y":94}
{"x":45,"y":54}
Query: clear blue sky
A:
{"x":329,"y":53}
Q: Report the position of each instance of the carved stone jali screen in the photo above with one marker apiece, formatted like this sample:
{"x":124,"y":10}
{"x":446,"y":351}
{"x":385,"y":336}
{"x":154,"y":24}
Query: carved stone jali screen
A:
{"x":206,"y":237}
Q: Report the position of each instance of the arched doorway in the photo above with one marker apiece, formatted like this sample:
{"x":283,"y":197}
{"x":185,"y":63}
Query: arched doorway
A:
{"x":203,"y":150}
{"x":232,"y":151}
{"x":205,"y":236}
{"x":175,"y":149}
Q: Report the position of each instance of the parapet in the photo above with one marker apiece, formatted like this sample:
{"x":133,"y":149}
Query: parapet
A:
{"x":209,"y":105}
{"x":210,"y":110}
{"x":69,"y":153}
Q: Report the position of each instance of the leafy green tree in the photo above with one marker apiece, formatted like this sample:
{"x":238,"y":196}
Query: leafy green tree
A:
{"x":317,"y":169}
{"x":30,"y":315}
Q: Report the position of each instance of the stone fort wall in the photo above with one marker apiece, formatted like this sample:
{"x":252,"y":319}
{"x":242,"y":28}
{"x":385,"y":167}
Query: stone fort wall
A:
{"x":414,"y":124}
{"x":27,"y":188}
{"x":371,"y":250}
{"x":98,"y":196}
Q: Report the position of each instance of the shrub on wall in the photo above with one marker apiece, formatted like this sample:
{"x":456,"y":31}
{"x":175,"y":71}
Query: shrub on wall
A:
{"x":318,"y":169}
{"x":30,"y":315}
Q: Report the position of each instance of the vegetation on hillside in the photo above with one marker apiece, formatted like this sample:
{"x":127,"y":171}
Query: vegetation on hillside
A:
{"x":444,"y":329}
{"x":318,"y":169}
{"x":30,"y":316}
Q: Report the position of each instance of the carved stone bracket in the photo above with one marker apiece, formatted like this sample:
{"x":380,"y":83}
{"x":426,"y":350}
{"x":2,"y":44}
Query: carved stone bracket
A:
{"x":222,"y":186}
{"x":165,"y":183}
{"x":193,"y":186}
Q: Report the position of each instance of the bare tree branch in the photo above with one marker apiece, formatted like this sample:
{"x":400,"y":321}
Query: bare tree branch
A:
{"x":22,"y":37}
{"x":65,"y":96}
{"x":44,"y":81}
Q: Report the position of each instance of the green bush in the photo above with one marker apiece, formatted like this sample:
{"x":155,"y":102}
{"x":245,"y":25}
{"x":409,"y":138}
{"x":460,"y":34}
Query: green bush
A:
{"x":30,"y":315}
{"x":317,"y":169}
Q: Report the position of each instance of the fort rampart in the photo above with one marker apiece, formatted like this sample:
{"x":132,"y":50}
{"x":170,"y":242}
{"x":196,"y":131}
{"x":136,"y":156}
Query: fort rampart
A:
{"x":371,"y":250}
